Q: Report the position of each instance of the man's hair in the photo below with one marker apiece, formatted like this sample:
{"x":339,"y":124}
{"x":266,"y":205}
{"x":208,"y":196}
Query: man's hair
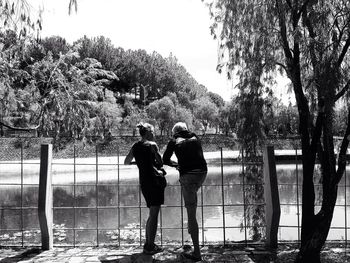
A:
{"x":178,"y":127}
{"x":144,"y":128}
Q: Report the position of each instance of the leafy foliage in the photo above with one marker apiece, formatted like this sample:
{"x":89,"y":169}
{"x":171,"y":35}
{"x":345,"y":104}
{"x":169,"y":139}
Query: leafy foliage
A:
{"x":17,"y":15}
{"x":78,"y":90}
{"x":92,"y":88}
{"x":205,"y":111}
{"x":309,"y":42}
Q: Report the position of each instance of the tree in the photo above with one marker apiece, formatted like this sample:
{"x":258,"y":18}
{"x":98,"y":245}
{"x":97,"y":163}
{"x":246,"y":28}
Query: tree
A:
{"x":278,"y":118}
{"x":309,"y":41}
{"x":62,"y":96}
{"x":73,"y":96}
{"x":181,"y":113}
{"x":110,"y":113}
{"x":56,"y":45}
{"x":16,"y":93}
{"x":217,"y":99}
{"x":250,"y":104}
{"x":219,"y":102}
{"x":186,"y":87}
{"x":205,"y":111}
{"x":228,"y":117}
{"x":340,"y":119}
{"x":163,"y":112}
{"x":35,"y":50}
{"x":99,"y":48}
{"x":132,"y":115}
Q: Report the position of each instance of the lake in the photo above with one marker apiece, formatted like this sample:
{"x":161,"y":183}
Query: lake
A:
{"x":103,"y":205}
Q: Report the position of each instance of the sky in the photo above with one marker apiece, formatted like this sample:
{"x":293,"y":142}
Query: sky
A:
{"x":180,"y":27}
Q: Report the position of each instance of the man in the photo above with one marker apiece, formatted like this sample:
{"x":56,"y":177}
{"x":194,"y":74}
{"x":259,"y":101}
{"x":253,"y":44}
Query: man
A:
{"x":193,"y":171}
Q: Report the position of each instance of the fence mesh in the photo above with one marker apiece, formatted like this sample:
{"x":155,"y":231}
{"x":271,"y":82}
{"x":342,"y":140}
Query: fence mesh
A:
{"x":97,"y":200}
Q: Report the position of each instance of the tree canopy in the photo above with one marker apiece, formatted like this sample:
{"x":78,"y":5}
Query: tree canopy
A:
{"x":135,"y":78}
{"x":80,"y":89}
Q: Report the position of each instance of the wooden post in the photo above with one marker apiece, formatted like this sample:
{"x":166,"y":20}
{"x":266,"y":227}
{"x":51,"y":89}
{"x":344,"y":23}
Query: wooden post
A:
{"x":45,"y":197}
{"x":272,"y":210}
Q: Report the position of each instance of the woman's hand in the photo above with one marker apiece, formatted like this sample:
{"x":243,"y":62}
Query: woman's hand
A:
{"x":163,"y":171}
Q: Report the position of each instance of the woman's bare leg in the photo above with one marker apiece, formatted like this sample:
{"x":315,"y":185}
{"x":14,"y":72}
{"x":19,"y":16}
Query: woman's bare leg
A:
{"x":151,"y":225}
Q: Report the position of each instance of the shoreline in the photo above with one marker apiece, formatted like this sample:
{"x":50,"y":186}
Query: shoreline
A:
{"x":213,"y":155}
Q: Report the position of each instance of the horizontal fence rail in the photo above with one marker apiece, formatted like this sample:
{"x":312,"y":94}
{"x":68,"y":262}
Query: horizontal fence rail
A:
{"x":97,"y":200}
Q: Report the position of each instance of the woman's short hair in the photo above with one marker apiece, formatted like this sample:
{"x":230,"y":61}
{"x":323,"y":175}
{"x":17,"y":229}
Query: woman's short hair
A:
{"x":178,"y":127}
{"x":144,"y":128}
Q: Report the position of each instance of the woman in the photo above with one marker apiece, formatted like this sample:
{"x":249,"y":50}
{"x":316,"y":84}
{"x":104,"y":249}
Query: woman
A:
{"x":193,"y":171}
{"x":152,"y":181}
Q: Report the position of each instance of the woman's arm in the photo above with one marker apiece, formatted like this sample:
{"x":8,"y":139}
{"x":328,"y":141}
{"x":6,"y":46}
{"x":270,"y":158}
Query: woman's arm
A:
{"x":129,"y":157}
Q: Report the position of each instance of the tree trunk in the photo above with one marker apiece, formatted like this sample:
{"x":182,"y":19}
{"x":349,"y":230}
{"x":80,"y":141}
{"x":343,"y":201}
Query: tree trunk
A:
{"x":315,"y":228}
{"x":315,"y":231}
{"x":311,"y":248}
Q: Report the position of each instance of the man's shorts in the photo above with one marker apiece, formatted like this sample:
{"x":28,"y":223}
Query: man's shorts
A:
{"x":190,"y":183}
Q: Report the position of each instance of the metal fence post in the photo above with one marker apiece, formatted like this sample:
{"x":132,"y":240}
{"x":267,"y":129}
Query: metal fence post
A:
{"x":272,"y":200}
{"x":45,"y":201}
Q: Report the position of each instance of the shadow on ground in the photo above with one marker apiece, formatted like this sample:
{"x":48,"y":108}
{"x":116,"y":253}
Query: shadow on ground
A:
{"x":220,"y":254}
{"x":129,"y":255}
{"x":171,"y":254}
{"x":230,"y":254}
{"x":22,"y":256}
{"x":139,"y":257}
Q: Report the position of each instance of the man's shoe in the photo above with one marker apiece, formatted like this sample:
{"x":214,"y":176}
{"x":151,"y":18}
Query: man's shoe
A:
{"x":151,"y":251}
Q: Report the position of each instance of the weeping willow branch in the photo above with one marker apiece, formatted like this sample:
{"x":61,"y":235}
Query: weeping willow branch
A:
{"x":342,"y":153}
{"x":343,"y":91}
{"x":18,"y":128}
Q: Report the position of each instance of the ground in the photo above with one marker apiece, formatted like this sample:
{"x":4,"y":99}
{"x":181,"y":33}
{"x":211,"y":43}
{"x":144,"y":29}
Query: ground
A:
{"x":231,"y":253}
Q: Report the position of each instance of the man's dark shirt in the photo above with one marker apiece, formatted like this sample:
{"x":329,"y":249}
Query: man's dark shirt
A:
{"x":189,"y":153}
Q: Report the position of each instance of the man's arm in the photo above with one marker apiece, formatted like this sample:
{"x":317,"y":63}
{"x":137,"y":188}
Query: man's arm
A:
{"x":157,"y":155}
{"x":168,"y":153}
